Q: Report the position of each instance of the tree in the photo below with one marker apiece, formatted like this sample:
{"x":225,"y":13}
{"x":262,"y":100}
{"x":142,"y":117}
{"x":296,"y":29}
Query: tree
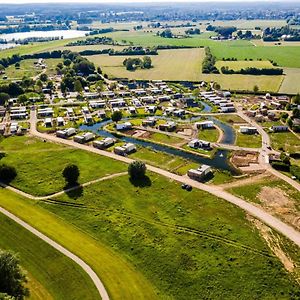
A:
{"x":7,"y":173}
{"x":147,"y":62}
{"x":78,"y":86}
{"x":71,"y":174}
{"x":17,"y":65}
{"x":15,"y":89}
{"x":12,"y":277}
{"x":116,"y":116}
{"x":137,"y":170}
{"x":3,"y":98}
{"x":255,"y":89}
{"x":23,"y":99}
{"x":67,"y":62}
{"x":44,"y":77}
{"x":296,"y":99}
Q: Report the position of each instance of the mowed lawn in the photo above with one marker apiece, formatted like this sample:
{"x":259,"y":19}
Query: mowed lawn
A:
{"x":188,"y":245}
{"x":121,"y":279}
{"x":175,"y":64}
{"x":39,"y":165}
{"x":51,"y":275}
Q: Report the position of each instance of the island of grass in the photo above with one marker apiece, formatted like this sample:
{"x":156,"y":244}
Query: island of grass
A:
{"x":51,"y":275}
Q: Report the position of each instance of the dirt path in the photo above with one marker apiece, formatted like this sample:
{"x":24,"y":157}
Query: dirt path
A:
{"x":26,"y":195}
{"x":100,"y":287}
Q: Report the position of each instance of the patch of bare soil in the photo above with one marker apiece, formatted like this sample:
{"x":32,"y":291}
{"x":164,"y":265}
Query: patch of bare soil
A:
{"x":244,"y":159}
{"x":274,"y":244}
{"x":279,"y":203}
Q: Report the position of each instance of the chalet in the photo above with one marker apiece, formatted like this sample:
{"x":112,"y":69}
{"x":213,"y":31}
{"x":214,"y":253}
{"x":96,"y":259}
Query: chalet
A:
{"x":132,"y":109}
{"x":89,"y":95}
{"x":69,"y":111}
{"x":60,"y":121}
{"x":169,"y":126}
{"x":205,"y":125}
{"x":45,"y":112}
{"x":125,"y":149}
{"x":227,"y":109}
{"x":105,"y":143}
{"x":177,"y":96}
{"x":150,"y":121}
{"x":164,"y":98}
{"x":101,"y":114}
{"x":14,"y":127}
{"x":200,"y":173}
{"x":189,"y":102}
{"x":84,"y":138}
{"x":124,"y":94}
{"x":94,"y":104}
{"x":248,"y":130}
{"x":48,"y":122}
{"x":179,"y":113}
{"x":88,"y":119}
{"x":136,"y":102}
{"x":148,"y":99}
{"x":123,"y":126}
{"x":118,"y":102}
{"x":66,"y":133}
{"x":279,"y":128}
{"x":139,"y":92}
{"x":155,"y":91}
{"x":169,"y":110}
{"x":151,"y":109}
{"x":108,"y":94}
{"x":85,"y":110}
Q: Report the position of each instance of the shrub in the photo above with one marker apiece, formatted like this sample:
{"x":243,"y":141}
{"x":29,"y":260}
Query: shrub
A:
{"x":7,"y":173}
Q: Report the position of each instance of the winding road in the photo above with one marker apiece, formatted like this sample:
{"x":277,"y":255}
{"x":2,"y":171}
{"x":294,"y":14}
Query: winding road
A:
{"x":99,"y":285}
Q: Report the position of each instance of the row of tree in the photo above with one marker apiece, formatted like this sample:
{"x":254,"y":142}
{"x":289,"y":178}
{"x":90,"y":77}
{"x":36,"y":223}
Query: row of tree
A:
{"x":208,"y":64}
{"x":253,"y":71}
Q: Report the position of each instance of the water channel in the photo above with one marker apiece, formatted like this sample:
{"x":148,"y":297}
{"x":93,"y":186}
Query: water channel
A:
{"x":219,"y":161}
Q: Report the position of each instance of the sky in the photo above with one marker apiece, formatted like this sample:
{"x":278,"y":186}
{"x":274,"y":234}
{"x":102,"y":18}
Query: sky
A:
{"x":123,"y":1}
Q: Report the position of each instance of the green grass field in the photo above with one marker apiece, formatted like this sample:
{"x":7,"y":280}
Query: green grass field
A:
{"x":121,"y":279}
{"x":248,"y":140}
{"x":27,"y":69}
{"x":286,"y":140}
{"x":165,"y":139}
{"x":51,"y":275}
{"x":39,"y":165}
{"x":210,"y":135}
{"x":189,"y":245}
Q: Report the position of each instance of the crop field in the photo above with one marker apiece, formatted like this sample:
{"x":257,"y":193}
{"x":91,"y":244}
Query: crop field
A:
{"x":39,"y":165}
{"x":250,"y":24}
{"x":291,"y":82}
{"x":90,"y":47}
{"x":167,"y":65}
{"x":174,"y":65}
{"x":179,"y":240}
{"x":51,"y":275}
{"x":120,"y":278}
{"x":242,"y":64}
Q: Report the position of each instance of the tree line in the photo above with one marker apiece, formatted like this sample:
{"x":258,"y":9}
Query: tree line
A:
{"x":252,"y":71}
{"x":208,"y":64}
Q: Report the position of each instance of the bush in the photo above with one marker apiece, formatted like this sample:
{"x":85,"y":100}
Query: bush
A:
{"x":295,"y":171}
{"x":7,"y":173}
{"x":137,"y":170}
{"x":71,"y":174}
{"x":281,"y":166}
{"x":12,"y":277}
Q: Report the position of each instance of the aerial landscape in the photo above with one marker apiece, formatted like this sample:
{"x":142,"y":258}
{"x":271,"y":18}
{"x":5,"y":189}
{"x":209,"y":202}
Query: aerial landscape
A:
{"x":149,"y":150}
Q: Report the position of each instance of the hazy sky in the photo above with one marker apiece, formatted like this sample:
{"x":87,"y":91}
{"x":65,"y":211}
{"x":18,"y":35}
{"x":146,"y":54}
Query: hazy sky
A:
{"x":114,"y":1}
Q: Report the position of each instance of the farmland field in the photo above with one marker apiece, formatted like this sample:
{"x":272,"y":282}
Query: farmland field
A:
{"x":51,"y":274}
{"x":167,"y":65}
{"x":242,"y":64}
{"x":250,"y":24}
{"x":174,"y":65}
{"x":291,"y":82}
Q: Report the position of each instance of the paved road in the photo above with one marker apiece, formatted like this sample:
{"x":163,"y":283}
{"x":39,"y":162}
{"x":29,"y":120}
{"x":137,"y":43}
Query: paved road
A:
{"x":265,"y":217}
{"x":100,"y":287}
